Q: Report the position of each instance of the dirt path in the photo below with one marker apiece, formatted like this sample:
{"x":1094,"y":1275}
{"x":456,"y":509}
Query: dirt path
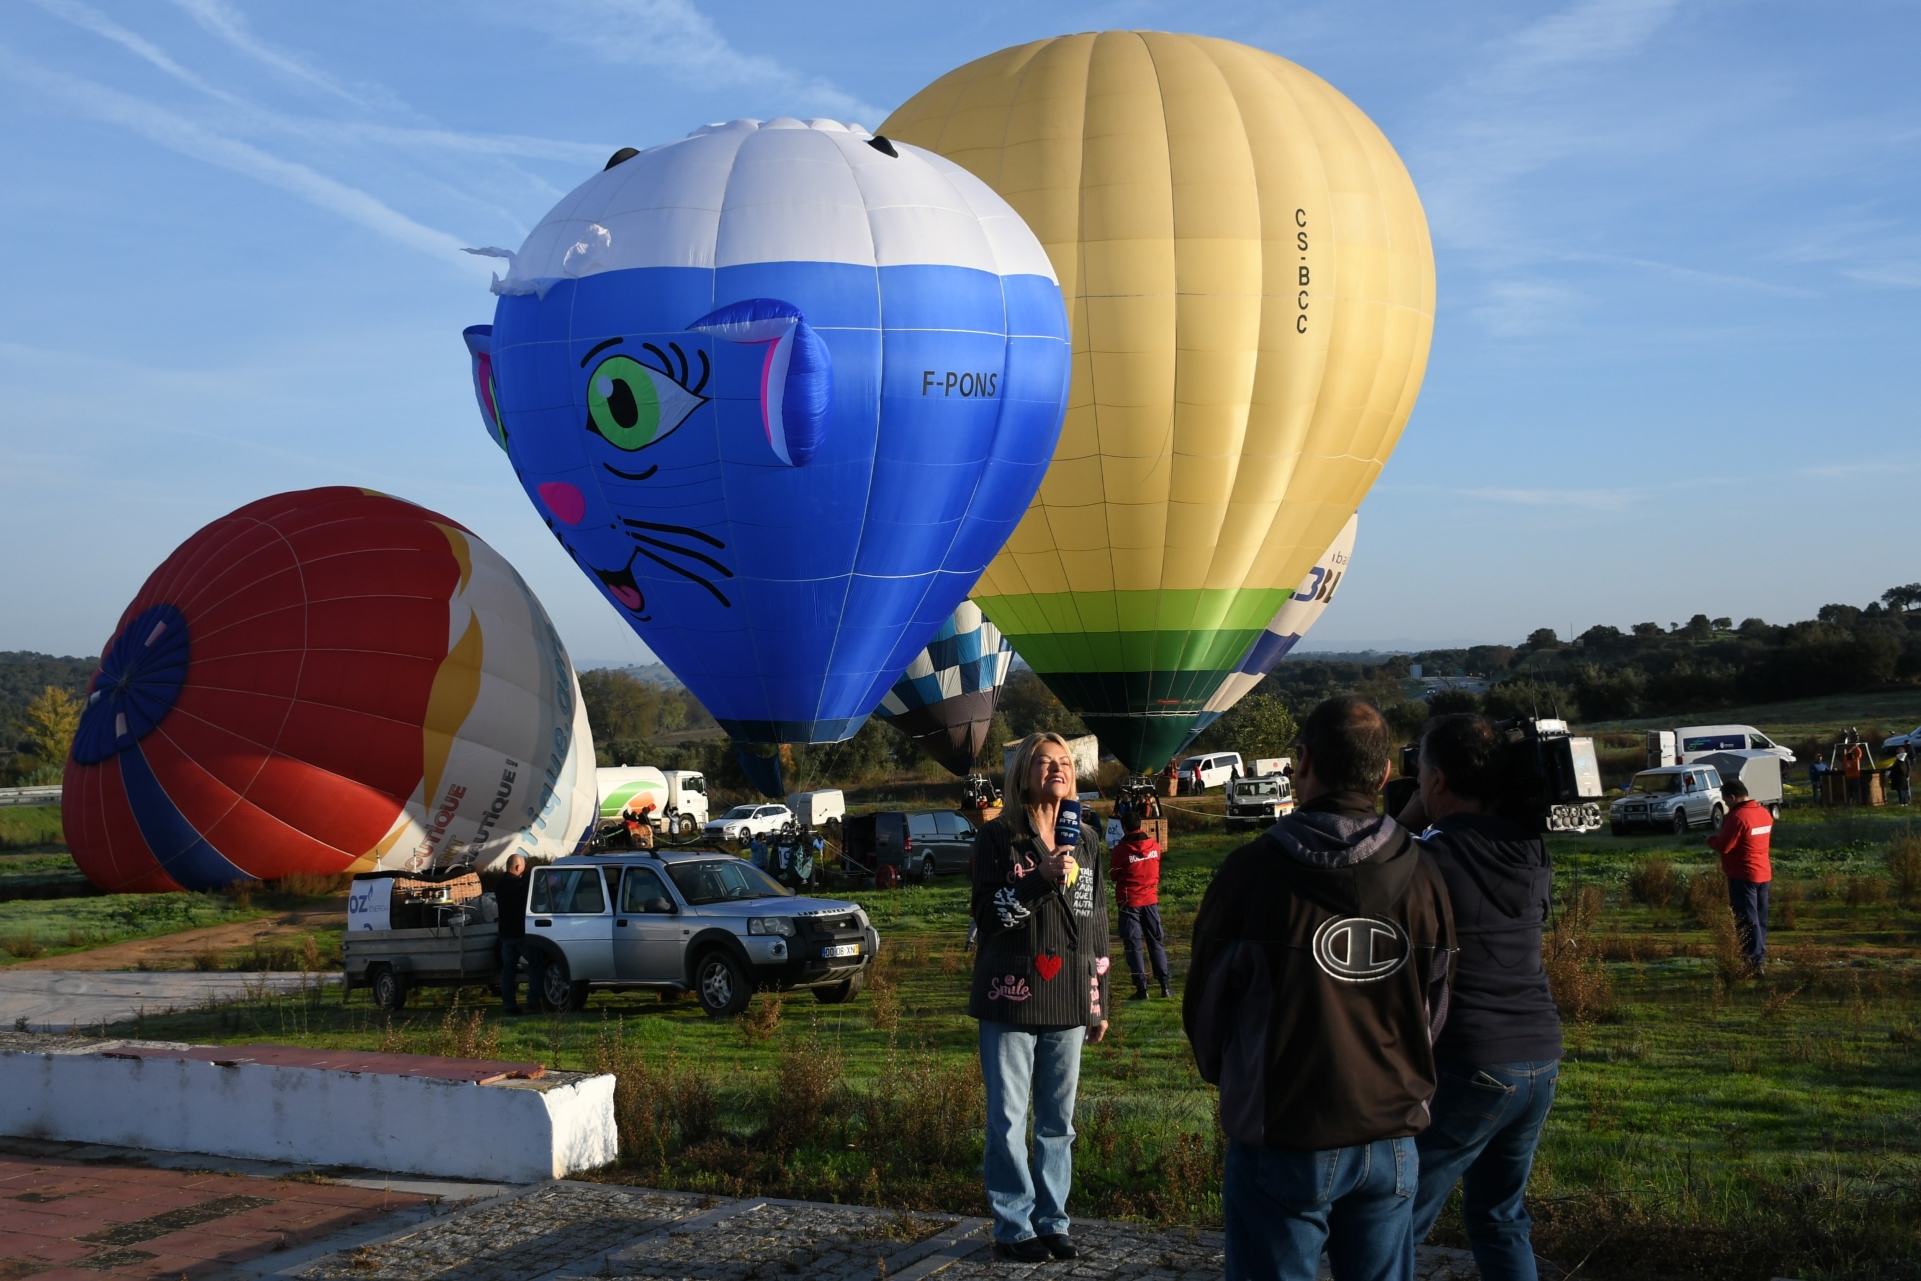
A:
{"x":177,"y":951}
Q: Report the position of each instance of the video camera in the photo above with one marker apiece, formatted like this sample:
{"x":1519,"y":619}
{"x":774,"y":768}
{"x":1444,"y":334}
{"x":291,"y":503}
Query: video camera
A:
{"x":1552,"y":778}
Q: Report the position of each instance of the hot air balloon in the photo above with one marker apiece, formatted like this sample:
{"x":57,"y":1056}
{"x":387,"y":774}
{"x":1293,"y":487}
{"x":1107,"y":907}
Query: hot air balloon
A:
{"x":1284,"y":631}
{"x":781,"y":390}
{"x":325,"y":681}
{"x":945,"y":699}
{"x":1250,"y":284}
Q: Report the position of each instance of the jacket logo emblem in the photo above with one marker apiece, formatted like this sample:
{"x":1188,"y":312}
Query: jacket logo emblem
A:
{"x":1047,"y":965}
{"x":1360,"y":949}
{"x":1011,"y":988}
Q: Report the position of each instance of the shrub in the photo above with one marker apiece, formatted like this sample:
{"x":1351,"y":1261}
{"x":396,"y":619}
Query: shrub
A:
{"x":1582,"y":987}
{"x":1653,"y":882}
{"x":1707,"y":897}
{"x":1903,"y":857}
{"x":1865,"y":891}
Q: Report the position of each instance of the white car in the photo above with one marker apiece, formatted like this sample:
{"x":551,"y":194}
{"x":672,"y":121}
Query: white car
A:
{"x":1910,"y":740}
{"x":745,"y":822}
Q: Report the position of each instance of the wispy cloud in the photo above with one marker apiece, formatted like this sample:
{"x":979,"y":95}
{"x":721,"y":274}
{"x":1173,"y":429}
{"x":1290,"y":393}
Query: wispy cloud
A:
{"x":222,"y":22}
{"x":1854,"y":471}
{"x":184,"y":136}
{"x":1589,"y":499}
{"x":88,"y":18}
{"x":674,"y":37}
{"x":259,"y":118}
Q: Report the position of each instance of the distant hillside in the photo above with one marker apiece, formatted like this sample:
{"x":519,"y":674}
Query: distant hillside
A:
{"x":656,"y":674}
{"x":23,"y":674}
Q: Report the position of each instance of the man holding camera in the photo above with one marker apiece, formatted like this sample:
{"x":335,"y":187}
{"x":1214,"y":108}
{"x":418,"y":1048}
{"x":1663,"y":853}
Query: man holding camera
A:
{"x":1319,"y":978}
{"x":1500,"y":1054}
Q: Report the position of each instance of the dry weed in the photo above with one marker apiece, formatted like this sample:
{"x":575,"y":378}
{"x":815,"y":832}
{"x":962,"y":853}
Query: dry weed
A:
{"x":761,"y":1019}
{"x":209,"y":958}
{"x":1903,"y":857}
{"x":1653,"y":882}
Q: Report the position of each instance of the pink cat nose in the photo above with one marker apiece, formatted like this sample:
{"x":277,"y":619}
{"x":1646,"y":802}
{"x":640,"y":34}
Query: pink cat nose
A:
{"x":566,"y":502}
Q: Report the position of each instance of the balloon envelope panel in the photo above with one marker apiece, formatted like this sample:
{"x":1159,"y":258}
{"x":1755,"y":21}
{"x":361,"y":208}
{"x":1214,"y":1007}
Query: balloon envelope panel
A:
{"x":320,"y":681}
{"x":945,"y":700}
{"x":1250,"y":285}
{"x":781,"y":393}
{"x":1302,"y":610}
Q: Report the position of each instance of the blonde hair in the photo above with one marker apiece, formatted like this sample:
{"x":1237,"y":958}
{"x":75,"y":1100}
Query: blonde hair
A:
{"x":1018,"y":810}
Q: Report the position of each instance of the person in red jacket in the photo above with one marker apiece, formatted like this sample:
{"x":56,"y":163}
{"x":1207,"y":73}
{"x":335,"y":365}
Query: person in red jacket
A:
{"x":1134,"y":868}
{"x":1742,"y":844}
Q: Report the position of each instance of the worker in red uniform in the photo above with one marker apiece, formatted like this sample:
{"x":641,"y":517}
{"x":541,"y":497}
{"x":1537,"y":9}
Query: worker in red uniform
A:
{"x":1742,"y":844}
{"x":1851,"y":770}
{"x":1135,"y":869}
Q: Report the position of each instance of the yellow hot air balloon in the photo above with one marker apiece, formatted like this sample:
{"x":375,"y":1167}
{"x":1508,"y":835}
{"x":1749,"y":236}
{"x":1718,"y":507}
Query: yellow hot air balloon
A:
{"x":1250,"y":286}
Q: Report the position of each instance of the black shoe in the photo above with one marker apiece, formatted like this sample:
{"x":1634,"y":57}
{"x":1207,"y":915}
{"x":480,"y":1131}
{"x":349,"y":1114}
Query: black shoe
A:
{"x":1140,"y":992}
{"x":1059,"y":1246}
{"x":1029,"y":1251}
{"x":1167,"y":988}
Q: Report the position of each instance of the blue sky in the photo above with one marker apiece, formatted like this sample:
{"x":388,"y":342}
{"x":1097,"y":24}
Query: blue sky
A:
{"x":1675,"y":365}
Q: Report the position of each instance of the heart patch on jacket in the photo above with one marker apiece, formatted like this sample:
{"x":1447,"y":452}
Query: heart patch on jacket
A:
{"x":1047,"y":965}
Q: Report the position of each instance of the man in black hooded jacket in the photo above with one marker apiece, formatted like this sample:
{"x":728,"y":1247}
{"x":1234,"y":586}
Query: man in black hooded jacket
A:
{"x":1500,"y":1053}
{"x":1319,"y":977}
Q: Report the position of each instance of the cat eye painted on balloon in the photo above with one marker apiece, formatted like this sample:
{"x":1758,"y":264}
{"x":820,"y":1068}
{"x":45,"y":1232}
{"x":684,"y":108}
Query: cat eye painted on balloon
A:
{"x":632,"y":404}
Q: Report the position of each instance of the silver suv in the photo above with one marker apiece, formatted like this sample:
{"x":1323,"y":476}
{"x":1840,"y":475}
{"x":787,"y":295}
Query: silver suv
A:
{"x":697,"y":921}
{"x":1673,"y":798}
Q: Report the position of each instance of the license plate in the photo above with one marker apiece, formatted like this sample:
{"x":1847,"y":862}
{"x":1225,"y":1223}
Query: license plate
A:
{"x":841,"y":949}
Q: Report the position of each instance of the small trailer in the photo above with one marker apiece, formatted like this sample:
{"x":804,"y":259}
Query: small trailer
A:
{"x":391,"y":963}
{"x":420,"y":930}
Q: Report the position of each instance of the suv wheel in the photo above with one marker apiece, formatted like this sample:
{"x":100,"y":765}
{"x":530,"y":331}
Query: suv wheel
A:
{"x":558,"y":991}
{"x":1680,"y":820}
{"x":389,"y":987}
{"x":721,"y":985}
{"x":842,"y":992}
{"x":927,"y":870}
{"x":1719,"y":812}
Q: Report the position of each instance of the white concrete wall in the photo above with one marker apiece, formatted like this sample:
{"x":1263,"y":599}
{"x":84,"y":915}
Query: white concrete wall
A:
{"x":519,"y":1132}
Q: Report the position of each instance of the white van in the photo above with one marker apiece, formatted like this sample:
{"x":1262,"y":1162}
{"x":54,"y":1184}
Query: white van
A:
{"x":1692,"y":742}
{"x":679,"y":796}
{"x":1202,"y":772}
{"x":1270,"y":766}
{"x":813,"y":809}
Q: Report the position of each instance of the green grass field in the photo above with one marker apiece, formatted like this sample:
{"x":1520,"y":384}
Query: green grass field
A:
{"x":1708,"y":1124}
{"x":31,"y":827}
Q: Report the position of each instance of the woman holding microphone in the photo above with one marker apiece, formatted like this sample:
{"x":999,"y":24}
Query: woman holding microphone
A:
{"x":1040,"y":989}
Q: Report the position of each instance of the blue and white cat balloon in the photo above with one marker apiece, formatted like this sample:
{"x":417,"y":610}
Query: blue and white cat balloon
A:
{"x":782,"y":389}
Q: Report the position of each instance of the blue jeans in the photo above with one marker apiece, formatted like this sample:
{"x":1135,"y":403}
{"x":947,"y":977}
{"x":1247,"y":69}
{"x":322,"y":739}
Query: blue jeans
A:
{"x":1028,"y":1195}
{"x":1749,"y":902}
{"x":1138,"y":925}
{"x":511,"y":952}
{"x":1282,"y":1207}
{"x":1487,"y":1121}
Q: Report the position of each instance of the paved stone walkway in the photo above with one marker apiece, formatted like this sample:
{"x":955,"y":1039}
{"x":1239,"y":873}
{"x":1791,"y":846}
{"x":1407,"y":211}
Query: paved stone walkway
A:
{"x":62,"y":1219}
{"x":583,"y":1230}
{"x":63,"y":1000}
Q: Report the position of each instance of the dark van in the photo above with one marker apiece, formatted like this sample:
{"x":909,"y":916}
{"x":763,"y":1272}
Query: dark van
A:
{"x":919,"y":846}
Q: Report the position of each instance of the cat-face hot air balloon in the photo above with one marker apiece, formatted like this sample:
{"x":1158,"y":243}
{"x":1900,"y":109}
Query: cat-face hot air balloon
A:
{"x":325,"y":681}
{"x":781,"y":390}
{"x":1284,"y":631}
{"x":1251,"y":288}
{"x":945,"y":699}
